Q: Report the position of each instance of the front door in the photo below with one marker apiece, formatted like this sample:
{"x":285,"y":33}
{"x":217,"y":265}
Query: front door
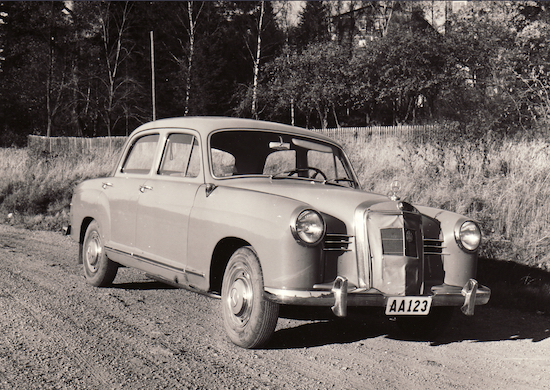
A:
{"x":166,"y":201}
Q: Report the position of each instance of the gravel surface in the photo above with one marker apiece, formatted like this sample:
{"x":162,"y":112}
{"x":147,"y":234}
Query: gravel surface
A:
{"x":57,"y":332}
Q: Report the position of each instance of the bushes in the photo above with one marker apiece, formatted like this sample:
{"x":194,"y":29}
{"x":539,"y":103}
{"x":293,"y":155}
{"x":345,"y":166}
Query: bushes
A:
{"x":36,"y":188}
{"x":504,"y":183}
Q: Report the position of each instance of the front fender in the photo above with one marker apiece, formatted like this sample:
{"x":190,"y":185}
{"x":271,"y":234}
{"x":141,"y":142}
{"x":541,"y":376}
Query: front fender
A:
{"x":260,"y":219}
{"x":458,"y":265}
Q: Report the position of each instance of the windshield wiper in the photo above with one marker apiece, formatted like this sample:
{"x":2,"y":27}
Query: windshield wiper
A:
{"x":336,"y":182}
{"x":290,"y":174}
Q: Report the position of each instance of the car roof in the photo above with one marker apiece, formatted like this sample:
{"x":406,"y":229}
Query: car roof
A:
{"x":207,"y":124}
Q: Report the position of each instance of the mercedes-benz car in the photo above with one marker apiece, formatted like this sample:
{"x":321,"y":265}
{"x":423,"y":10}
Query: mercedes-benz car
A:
{"x":262,"y":214}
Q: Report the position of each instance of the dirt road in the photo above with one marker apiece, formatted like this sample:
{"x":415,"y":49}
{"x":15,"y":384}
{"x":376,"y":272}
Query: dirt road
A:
{"x":57,"y":332}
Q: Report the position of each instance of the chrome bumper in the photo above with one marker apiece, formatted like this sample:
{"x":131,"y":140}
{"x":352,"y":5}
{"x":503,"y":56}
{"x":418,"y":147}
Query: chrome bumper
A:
{"x":340,"y":295}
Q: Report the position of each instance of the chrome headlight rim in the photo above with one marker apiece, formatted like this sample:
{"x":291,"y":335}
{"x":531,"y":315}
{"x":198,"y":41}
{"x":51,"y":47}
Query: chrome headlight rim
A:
{"x":308,"y":227}
{"x":468,"y":236}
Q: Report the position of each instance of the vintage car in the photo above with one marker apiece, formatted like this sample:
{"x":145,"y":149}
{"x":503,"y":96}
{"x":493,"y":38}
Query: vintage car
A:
{"x":263,"y":214}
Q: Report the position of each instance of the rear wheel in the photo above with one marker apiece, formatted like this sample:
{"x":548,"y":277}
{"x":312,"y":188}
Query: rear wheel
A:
{"x":249,"y":318}
{"x":99,"y":270}
{"x":426,"y":326}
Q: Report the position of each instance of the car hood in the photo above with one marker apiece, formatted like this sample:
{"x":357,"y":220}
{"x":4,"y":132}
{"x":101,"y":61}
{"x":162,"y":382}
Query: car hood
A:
{"x":337,"y":201}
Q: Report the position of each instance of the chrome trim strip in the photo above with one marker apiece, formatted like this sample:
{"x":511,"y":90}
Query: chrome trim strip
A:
{"x":337,"y":242}
{"x":154,"y":262}
{"x":433,"y":246}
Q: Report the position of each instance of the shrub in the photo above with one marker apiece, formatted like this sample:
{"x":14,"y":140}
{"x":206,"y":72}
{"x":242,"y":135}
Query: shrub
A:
{"x":505,"y":184}
{"x":36,"y":188}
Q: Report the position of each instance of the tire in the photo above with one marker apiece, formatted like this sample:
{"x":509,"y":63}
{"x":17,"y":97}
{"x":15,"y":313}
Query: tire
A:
{"x":249,"y":319}
{"x":98,"y":269}
{"x":421,"y":327}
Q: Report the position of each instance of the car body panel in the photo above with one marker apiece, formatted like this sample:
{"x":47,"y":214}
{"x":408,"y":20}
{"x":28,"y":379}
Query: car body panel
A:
{"x":264,"y":224}
{"x":184,"y":229}
{"x":163,"y":212}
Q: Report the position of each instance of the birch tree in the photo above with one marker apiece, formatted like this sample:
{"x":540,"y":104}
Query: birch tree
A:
{"x":257,"y":60}
{"x":113,"y":31}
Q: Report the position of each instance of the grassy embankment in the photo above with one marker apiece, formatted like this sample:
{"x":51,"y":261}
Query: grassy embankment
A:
{"x":36,"y":189}
{"x":504,"y":184}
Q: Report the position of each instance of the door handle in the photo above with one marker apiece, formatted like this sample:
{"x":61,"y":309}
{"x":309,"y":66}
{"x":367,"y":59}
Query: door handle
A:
{"x":105,"y":185}
{"x":142,"y":189}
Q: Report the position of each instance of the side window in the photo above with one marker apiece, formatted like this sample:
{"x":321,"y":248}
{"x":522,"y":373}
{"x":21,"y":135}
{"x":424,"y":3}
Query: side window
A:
{"x":141,"y":155}
{"x":181,"y":156}
{"x":280,"y":161}
{"x":223,"y":163}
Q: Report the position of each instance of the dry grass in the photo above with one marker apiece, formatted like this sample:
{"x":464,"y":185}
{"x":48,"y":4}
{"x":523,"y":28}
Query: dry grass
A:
{"x":35,"y":189}
{"x":502,"y":183}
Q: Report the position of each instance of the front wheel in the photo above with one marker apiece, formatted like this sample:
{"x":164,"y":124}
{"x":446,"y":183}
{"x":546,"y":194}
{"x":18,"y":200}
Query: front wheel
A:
{"x":99,"y":270}
{"x":249,"y":318}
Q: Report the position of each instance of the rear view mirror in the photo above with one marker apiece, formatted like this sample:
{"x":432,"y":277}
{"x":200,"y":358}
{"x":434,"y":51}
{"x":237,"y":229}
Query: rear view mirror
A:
{"x":279,"y":145}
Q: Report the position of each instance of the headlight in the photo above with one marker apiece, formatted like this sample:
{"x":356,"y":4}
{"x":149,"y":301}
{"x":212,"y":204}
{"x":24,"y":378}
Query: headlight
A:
{"x":468,"y":236}
{"x":308,"y":227}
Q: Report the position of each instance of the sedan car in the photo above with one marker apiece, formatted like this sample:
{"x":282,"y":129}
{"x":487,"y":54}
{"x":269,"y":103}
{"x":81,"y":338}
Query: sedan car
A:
{"x":262,"y":214}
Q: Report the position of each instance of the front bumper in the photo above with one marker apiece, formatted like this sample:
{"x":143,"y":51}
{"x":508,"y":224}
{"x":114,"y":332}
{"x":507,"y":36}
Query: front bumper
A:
{"x":339,"y":296}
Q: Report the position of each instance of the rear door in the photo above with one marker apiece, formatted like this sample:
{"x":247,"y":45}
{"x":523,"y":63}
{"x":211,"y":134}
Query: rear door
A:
{"x":122,"y":191}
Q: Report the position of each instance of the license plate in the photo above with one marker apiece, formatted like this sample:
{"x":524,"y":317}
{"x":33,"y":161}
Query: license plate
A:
{"x":415,"y":306}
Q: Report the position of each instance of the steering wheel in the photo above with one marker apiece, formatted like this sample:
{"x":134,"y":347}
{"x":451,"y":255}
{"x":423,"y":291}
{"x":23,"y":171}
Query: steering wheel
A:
{"x":316,"y":172}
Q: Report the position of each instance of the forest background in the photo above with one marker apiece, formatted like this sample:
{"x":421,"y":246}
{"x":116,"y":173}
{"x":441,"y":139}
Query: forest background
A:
{"x":477,"y":71}
{"x":85,"y":68}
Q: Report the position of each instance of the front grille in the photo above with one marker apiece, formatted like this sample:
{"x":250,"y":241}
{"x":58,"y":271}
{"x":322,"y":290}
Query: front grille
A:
{"x":433,"y":246}
{"x":399,"y":242}
{"x":392,"y":241}
{"x":337,"y":242}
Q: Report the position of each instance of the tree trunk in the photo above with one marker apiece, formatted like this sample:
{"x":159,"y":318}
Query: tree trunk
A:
{"x":257,"y":62}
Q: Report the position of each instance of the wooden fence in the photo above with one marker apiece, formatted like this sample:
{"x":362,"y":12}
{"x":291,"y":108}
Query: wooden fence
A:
{"x":73,"y":144}
{"x":404,"y":131}
{"x":80,"y":144}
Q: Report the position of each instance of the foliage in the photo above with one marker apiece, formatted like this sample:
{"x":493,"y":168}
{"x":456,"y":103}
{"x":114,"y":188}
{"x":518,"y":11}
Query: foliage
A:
{"x":84,"y":68}
{"x":315,"y":80}
{"x":314,"y":24}
{"x":37,"y":187}
{"x":503,"y":183}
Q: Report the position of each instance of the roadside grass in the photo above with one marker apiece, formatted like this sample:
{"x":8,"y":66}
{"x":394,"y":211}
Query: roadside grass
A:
{"x":504,"y":184}
{"x":36,"y":188}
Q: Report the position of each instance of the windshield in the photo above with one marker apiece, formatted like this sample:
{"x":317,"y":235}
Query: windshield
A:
{"x":236,"y":153}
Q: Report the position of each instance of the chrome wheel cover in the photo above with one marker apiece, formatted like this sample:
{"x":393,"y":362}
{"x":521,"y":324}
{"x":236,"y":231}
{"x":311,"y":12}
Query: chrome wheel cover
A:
{"x":240,"y":294}
{"x":94,"y":251}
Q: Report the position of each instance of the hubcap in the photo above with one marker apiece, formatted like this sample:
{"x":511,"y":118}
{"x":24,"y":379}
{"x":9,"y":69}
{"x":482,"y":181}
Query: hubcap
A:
{"x":93,"y":252}
{"x":240,"y":296}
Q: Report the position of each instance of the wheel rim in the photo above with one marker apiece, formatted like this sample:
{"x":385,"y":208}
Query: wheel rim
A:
{"x":240,"y":294}
{"x":94,"y":252}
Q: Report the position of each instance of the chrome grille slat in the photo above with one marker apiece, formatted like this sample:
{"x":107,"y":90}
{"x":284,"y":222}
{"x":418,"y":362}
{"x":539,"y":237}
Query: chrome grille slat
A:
{"x":337,"y":242}
{"x":433,"y":246}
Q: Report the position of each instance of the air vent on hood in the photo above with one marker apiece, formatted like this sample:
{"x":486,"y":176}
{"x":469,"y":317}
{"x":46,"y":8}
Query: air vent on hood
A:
{"x":337,"y":242}
{"x":433,"y":247}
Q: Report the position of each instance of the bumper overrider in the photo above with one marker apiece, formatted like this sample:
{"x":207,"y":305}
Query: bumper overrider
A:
{"x":340,"y":295}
